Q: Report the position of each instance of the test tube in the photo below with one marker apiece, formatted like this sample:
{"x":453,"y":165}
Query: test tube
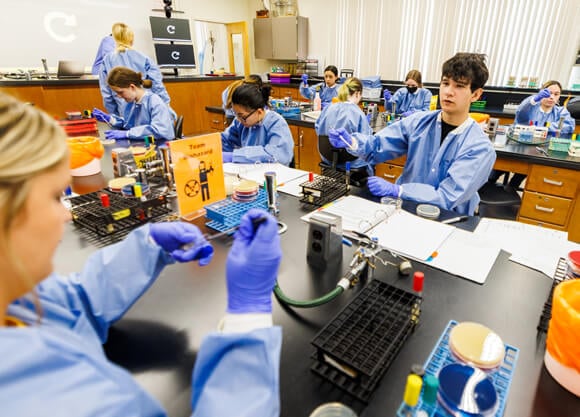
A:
{"x":271,"y":191}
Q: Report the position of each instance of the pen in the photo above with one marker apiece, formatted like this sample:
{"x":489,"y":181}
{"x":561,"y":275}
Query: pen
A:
{"x":455,"y":219}
{"x":542,"y":151}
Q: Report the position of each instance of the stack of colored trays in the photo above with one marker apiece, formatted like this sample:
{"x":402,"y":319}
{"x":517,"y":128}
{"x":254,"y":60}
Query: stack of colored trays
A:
{"x":245,"y":191}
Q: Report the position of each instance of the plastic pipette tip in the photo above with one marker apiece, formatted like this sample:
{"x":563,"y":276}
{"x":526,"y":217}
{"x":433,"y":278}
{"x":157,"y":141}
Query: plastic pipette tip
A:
{"x":418,"y":279}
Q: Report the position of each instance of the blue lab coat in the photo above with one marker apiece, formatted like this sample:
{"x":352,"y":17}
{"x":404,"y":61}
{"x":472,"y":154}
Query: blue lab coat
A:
{"x":349,"y":116}
{"x":267,"y":141}
{"x":148,"y":117}
{"x":405,"y":101}
{"x":106,"y":46}
{"x":447,"y":175}
{"x":60,"y":365}
{"x":326,"y":93}
{"x":137,"y":62}
{"x":527,"y":112}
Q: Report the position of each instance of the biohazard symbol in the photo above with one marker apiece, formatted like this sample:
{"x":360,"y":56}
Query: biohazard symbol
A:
{"x":191,"y":188}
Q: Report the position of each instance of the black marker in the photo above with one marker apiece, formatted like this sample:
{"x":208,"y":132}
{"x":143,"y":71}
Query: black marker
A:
{"x":455,"y":219}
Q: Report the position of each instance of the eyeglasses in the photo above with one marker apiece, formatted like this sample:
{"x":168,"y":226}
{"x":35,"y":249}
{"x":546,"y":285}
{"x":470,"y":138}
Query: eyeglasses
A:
{"x":247,"y":116}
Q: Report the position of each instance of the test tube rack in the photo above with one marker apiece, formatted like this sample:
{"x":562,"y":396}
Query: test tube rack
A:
{"x":559,"y":276}
{"x":324,"y":188}
{"x":226,"y":214}
{"x":441,"y":356}
{"x":103,"y":226}
{"x":356,"y":348}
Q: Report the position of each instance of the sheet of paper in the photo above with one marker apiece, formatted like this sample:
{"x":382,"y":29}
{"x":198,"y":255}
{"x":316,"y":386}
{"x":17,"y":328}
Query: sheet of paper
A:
{"x":533,"y":246}
{"x":255,"y":172}
{"x":293,"y":187}
{"x":411,"y":235}
{"x":357,"y":213}
{"x":467,"y":255}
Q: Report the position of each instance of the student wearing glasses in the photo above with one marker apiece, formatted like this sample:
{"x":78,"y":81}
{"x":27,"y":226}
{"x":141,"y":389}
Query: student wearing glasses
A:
{"x":410,"y":98}
{"x":257,"y":134}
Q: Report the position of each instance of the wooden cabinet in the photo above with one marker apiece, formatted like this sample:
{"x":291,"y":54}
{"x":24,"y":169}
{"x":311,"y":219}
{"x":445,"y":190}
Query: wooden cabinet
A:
{"x":306,"y":156}
{"x":282,"y":92}
{"x":281,"y":37}
{"x":549,"y":196}
{"x":391,"y":170}
{"x":215,"y":122}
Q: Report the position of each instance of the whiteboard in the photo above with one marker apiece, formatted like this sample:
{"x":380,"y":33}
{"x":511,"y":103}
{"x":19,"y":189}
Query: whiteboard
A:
{"x":70,"y":29}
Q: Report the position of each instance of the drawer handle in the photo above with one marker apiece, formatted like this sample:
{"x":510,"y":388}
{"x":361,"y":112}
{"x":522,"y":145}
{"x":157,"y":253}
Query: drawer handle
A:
{"x":389,"y":176}
{"x":552,"y":182}
{"x":545,"y":209}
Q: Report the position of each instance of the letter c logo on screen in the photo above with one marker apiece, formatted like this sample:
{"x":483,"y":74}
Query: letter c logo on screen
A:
{"x":54,"y":23}
{"x":175,"y":55}
{"x":171,"y":29}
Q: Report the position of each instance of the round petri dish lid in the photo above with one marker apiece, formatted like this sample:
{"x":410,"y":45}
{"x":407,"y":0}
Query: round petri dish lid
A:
{"x":429,"y":211}
{"x":466,"y":391}
{"x":246,"y":186}
{"x":477,"y":344}
{"x":117,"y":184}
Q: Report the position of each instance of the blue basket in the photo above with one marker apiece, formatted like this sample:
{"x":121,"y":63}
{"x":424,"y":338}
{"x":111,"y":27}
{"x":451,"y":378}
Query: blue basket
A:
{"x":227,"y":214}
{"x":441,"y":356}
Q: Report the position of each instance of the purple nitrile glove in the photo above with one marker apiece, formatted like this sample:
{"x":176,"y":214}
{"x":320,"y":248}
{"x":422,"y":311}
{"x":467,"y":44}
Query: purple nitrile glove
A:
{"x":382,"y":188}
{"x":305,"y":79}
{"x":183,"y":241}
{"x":387,"y":96}
{"x":408,"y":113}
{"x":227,"y":156}
{"x":369,"y":117}
{"x":545,"y":93}
{"x":252,"y":264}
{"x":101,"y":116}
{"x":116,"y":134}
{"x":339,"y":138}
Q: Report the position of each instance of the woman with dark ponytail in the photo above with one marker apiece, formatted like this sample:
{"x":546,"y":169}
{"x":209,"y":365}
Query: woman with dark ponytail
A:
{"x":257,"y":133}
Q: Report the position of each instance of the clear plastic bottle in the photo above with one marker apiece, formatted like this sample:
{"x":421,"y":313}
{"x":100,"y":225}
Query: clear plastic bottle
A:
{"x":317,"y":103}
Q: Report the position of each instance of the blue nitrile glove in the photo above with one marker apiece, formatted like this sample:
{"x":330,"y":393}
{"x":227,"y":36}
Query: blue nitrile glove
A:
{"x":408,"y":113}
{"x":305,"y":79}
{"x":387,"y":96}
{"x":545,"y":93}
{"x":183,"y":241}
{"x":369,"y":117}
{"x":116,"y":134}
{"x":252,"y":264}
{"x":382,"y":188}
{"x":101,"y":116}
{"x":227,"y":156}
{"x":339,"y":138}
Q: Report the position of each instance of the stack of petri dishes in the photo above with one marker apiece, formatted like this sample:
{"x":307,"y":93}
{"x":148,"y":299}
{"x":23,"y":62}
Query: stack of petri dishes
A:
{"x":116,"y":184}
{"x":245,"y":191}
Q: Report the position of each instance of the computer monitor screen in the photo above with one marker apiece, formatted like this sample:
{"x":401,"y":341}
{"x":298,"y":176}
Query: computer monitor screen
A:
{"x":164,"y":29}
{"x":175,"y":55}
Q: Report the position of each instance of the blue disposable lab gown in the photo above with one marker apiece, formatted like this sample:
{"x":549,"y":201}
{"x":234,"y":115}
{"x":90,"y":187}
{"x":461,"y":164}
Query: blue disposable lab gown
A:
{"x":527,"y":112}
{"x":267,"y":141}
{"x":405,"y":101}
{"x":106,"y":46}
{"x":447,"y":175}
{"x":137,"y":62}
{"x":60,"y":364}
{"x":326,"y":93}
{"x":350,"y":117}
{"x":148,"y":117}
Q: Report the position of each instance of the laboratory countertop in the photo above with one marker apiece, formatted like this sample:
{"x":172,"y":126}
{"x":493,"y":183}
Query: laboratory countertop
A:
{"x":93,"y":79}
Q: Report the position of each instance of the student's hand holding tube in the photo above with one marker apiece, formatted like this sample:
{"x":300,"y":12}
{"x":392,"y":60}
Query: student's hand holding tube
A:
{"x":101,"y":116}
{"x":183,"y":241}
{"x":252,"y":264}
{"x":387,"y":96}
{"x":545,"y":93}
{"x":340,"y":138}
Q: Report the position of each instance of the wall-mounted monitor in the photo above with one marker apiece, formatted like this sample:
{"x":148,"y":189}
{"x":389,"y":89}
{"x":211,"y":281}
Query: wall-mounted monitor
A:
{"x":175,"y":55}
{"x":164,"y":29}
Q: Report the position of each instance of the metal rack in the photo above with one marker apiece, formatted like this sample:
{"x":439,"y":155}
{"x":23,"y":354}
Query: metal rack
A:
{"x":355,"y":349}
{"x":325,"y":188}
{"x":559,"y":276}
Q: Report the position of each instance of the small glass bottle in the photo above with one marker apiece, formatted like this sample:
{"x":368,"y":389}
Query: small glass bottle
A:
{"x":317,"y":103}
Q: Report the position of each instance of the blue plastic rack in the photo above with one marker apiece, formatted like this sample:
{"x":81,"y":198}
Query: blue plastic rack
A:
{"x":226,"y":214}
{"x":441,"y":356}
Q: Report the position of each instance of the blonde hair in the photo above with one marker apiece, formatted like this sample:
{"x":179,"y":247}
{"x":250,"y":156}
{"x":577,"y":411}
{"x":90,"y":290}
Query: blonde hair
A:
{"x":350,"y":86}
{"x":31,"y":143}
{"x":123,"y":36}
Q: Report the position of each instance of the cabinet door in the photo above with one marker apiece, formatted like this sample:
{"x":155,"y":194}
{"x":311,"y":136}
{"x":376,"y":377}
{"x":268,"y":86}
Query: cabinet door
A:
{"x":215,"y":122}
{"x":285,"y":38}
{"x":289,"y":92}
{"x":263,"y":39}
{"x":275,"y":92}
{"x":388,"y":171}
{"x":308,"y":145}
{"x":295,"y":135}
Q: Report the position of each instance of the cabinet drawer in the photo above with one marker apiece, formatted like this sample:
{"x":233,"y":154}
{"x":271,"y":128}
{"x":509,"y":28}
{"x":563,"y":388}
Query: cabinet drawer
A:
{"x":541,"y":224}
{"x":390,"y":172}
{"x":545,"y":208}
{"x":555,"y":181}
{"x":289,"y":92}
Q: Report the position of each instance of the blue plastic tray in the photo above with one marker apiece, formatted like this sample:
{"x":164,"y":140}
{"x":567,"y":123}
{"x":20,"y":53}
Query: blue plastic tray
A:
{"x":441,"y":356}
{"x":226,"y":214}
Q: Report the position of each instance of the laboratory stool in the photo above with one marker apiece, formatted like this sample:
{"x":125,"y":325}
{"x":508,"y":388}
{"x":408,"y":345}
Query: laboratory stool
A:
{"x":500,"y":201}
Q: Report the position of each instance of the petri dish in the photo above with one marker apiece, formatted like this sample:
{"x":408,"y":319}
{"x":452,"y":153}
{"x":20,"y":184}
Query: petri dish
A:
{"x":117,"y":184}
{"x":335,"y":409}
{"x":476,"y":344}
{"x":428,"y":211}
{"x":467,"y":391}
